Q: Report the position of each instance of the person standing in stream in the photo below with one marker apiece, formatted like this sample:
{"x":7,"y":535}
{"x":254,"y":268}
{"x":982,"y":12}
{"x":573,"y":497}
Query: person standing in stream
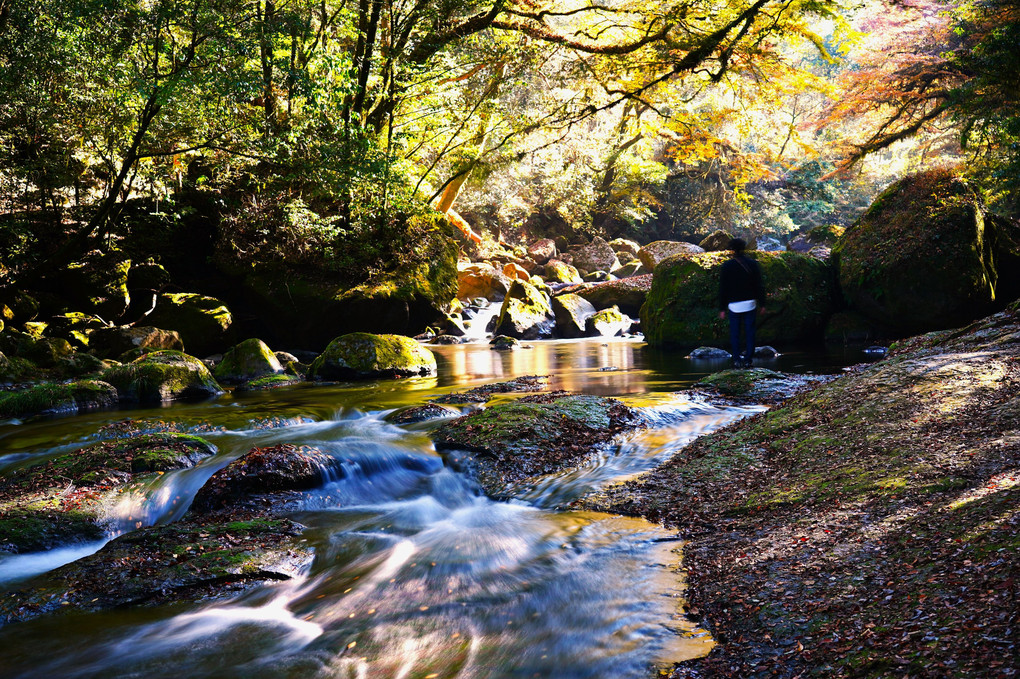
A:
{"x":742,"y":294}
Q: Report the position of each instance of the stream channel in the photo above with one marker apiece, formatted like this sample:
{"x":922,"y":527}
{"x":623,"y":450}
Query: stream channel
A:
{"x":416,"y":574}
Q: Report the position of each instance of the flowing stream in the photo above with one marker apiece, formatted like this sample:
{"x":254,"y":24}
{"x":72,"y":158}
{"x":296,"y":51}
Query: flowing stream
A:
{"x":416,"y":573}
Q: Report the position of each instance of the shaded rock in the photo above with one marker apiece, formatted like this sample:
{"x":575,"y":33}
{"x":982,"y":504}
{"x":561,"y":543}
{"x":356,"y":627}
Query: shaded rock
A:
{"x":62,"y":500}
{"x":851,"y":327}
{"x":572,"y":313}
{"x":525,"y":313}
{"x":625,"y":245}
{"x":557,"y":271}
{"x":765,"y":352}
{"x":607,"y":323}
{"x":422,"y":413}
{"x":596,"y":277}
{"x":113,"y":342}
{"x":927,"y":255}
{"x":455,"y":325}
{"x":533,"y":435}
{"x":716,"y":241}
{"x":632,"y":268}
{"x":203,"y":323}
{"x":481,"y":280}
{"x":445,"y":339}
{"x":625,"y":257}
{"x":363,"y":355}
{"x":542,"y":250}
{"x":185,"y":561}
{"x":504,"y":343}
{"x":266,"y":470}
{"x":709,"y":354}
{"x":246,"y":361}
{"x":820,"y":235}
{"x":147,"y":276}
{"x":596,"y":256}
{"x":165,"y":375}
{"x":653,"y":253}
{"x":627,"y":294}
{"x":54,"y":399}
{"x":75,"y":327}
{"x":682,"y":305}
{"x":45,"y":352}
{"x":97,"y":284}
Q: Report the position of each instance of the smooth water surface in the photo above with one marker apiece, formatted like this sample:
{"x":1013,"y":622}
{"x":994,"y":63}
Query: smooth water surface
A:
{"x":416,"y":572}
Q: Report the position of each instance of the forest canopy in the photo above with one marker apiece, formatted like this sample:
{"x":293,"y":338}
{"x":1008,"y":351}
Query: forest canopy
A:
{"x":315,"y":124}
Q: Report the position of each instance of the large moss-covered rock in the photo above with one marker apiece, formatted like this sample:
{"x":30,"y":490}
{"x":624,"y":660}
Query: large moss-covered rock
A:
{"x":629,"y":294}
{"x":202,"y":322}
{"x":246,"y":361}
{"x":114,"y":342}
{"x":653,"y":253}
{"x":525,"y":313}
{"x":927,"y":255}
{"x":53,"y":399}
{"x":607,"y":323}
{"x":45,"y":352}
{"x":572,"y":313}
{"x":75,"y":327}
{"x":534,"y":435}
{"x":162,"y":376}
{"x":682,"y":307}
{"x":62,"y":500}
{"x":363,"y":355}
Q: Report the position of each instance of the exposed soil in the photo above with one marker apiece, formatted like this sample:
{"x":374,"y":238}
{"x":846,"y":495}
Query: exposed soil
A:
{"x":866,"y":528}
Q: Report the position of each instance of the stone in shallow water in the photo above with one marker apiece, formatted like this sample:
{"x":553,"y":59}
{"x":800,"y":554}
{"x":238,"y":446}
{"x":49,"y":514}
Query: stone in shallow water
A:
{"x":709,"y":354}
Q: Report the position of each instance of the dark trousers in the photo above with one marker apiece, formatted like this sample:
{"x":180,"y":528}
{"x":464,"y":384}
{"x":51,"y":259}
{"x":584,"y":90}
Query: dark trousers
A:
{"x":743,"y":320}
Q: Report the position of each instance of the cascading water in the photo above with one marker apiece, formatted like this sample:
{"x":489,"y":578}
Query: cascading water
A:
{"x":416,"y":573}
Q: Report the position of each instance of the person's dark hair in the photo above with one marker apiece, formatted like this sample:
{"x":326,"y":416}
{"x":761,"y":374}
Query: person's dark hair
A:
{"x":737,"y":245}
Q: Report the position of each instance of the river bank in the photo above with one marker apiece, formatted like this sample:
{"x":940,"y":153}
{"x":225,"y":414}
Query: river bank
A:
{"x":867,"y":527}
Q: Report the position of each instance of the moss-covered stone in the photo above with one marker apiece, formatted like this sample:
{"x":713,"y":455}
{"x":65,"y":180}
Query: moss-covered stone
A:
{"x":682,"y":307}
{"x":534,"y":435}
{"x":525,"y":313}
{"x":625,"y":245}
{"x":61,"y":500}
{"x":572,"y":312}
{"x":246,"y":361}
{"x":202,"y":322}
{"x":557,"y":271}
{"x":183,"y":561}
{"x":51,"y":399}
{"x":267,"y":382}
{"x":75,"y":327}
{"x":162,"y":376}
{"x":629,"y":294}
{"x":115,"y":342}
{"x":45,"y":352}
{"x":655,"y":252}
{"x":504,"y":343}
{"x":607,"y":323}
{"x":363,"y":355}
{"x":927,"y":255}
{"x":717,"y":241}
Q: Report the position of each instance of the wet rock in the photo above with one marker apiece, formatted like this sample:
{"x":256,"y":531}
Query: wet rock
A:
{"x":875,"y":351}
{"x":482,"y":394}
{"x":682,"y":306}
{"x":45,"y":352}
{"x":62,"y":500}
{"x":596,"y":256}
{"x":363,"y":355}
{"x":162,"y":376}
{"x":765,"y":352}
{"x":709,"y":354}
{"x":534,"y":435}
{"x":58,"y":399}
{"x":928,"y":255}
{"x":247,"y":361}
{"x":182,"y":562}
{"x":481,"y":280}
{"x":446,"y":339}
{"x":758,"y":385}
{"x":625,"y":245}
{"x":525,"y":314}
{"x":422,"y":413}
{"x":607,"y":323}
{"x":572,"y":313}
{"x":557,"y":271}
{"x":542,"y":250}
{"x":504,"y":343}
{"x":653,"y":253}
{"x":114,"y":342}
{"x":716,"y":241}
{"x":202,"y":322}
{"x":266,"y":470}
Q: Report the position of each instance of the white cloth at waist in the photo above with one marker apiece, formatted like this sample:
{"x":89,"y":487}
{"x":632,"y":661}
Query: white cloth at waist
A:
{"x":742,"y":307}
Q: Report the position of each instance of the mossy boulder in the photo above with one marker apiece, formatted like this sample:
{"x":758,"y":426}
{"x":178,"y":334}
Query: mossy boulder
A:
{"x":525,"y":313}
{"x":115,"y":342}
{"x":682,"y":308}
{"x":187,"y":561}
{"x":534,"y":435}
{"x":625,"y":245}
{"x":363,"y":355}
{"x":75,"y":327}
{"x":162,"y":376}
{"x":572,"y":313}
{"x":62,"y":499}
{"x":629,"y":294}
{"x":717,"y":241}
{"x":607,"y":323}
{"x":45,"y":352}
{"x":630,"y":269}
{"x":557,"y":271}
{"x":53,"y":399}
{"x":202,"y":322}
{"x":246,"y":361}
{"x":927,"y":255}
{"x":655,"y":252}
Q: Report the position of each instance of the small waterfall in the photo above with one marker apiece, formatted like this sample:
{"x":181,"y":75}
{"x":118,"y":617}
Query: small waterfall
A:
{"x":475,"y":326}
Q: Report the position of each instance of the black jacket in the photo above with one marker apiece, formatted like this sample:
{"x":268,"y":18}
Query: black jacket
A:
{"x":739,"y":280}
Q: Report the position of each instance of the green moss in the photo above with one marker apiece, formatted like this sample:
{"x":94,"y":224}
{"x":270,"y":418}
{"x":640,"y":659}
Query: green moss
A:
{"x":56,"y":398}
{"x":362,"y":354}
{"x":250,"y":359}
{"x":739,"y":382}
{"x":162,"y":376}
